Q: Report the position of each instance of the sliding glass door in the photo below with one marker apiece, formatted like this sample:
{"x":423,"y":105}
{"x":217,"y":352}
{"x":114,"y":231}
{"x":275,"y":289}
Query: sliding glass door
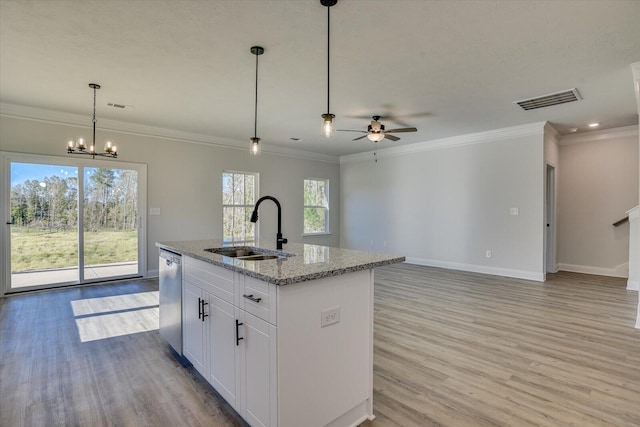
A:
{"x":43,"y":224}
{"x":71,"y":221}
{"x":110,"y":223}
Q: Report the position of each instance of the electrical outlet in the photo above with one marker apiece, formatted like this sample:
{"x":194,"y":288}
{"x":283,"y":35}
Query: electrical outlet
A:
{"x":488,"y":254}
{"x":371,"y":243}
{"x":384,"y":244}
{"x":513,"y":211}
{"x":329,"y":316}
{"x":154,"y":211}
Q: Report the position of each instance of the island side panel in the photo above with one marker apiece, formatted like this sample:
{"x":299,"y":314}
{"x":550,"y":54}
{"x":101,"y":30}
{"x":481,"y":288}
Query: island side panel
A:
{"x":325,"y":373}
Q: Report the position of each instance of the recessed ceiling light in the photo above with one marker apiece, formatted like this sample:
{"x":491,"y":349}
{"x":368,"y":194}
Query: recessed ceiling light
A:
{"x":594,"y":125}
{"x":295,"y":139}
{"x":573,"y":130}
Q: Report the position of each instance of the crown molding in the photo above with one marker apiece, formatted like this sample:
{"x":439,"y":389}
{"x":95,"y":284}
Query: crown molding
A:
{"x":537,"y":128}
{"x":70,"y":119}
{"x":599,"y":135}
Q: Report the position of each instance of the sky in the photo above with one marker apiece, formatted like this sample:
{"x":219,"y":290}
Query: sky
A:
{"x":20,"y":172}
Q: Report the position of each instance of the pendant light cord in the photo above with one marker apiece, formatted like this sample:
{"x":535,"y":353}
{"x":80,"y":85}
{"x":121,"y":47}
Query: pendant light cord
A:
{"x":328,"y":55}
{"x":94,"y":118}
{"x":255,"y":115}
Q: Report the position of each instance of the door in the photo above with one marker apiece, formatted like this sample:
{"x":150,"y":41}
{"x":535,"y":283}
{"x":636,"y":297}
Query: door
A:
{"x":43,"y":225}
{"x":71,"y":221}
{"x":193,"y":327}
{"x":258,"y":371}
{"x":110,"y":223}
{"x":225,"y":336}
{"x":550,"y":218}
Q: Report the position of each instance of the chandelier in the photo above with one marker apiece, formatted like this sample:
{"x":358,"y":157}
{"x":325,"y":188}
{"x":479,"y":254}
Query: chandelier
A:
{"x":79,"y":145}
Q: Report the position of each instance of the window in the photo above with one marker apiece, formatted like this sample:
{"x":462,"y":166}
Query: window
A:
{"x":316,"y":206}
{"x":239,"y":191}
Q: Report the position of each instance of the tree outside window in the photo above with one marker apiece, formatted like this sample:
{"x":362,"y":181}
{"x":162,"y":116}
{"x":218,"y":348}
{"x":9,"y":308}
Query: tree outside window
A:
{"x":239,"y":191}
{"x":316,"y":206}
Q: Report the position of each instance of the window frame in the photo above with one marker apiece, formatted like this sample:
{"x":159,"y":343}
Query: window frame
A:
{"x":256,"y":177}
{"x":327,"y":229}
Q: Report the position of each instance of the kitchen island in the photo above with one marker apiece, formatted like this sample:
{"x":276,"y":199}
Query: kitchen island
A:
{"x":286,"y":337}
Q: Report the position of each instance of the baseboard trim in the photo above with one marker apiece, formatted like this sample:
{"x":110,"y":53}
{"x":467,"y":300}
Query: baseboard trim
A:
{"x":494,"y":271}
{"x":619,"y":271}
{"x":633,"y":285}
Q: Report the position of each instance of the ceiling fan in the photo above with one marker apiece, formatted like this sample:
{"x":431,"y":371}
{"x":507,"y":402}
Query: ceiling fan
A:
{"x":376,"y":132}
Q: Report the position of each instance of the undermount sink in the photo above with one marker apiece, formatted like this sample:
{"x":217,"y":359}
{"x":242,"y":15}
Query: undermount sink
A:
{"x":258,"y":257}
{"x":245,"y":254}
{"x":234,"y":253}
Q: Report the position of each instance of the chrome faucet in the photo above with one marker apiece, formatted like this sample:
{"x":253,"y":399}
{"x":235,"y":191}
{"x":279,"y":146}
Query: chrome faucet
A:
{"x":254,"y":217}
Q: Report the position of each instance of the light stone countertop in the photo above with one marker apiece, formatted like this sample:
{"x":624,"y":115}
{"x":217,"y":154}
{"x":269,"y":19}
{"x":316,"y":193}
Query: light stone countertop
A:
{"x":302,"y":262}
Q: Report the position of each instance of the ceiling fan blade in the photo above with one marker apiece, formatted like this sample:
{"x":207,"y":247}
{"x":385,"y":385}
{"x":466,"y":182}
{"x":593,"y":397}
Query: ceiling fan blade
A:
{"x":402,"y":130}
{"x":391,"y":137}
{"x":350,"y":130}
{"x":360,"y":137}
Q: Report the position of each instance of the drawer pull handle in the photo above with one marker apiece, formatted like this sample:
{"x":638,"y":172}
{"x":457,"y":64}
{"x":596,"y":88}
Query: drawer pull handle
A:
{"x":238,"y":338}
{"x":203,"y":313}
{"x":252,"y":298}
{"x":199,"y":308}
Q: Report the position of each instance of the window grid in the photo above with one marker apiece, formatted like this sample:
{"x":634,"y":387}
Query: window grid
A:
{"x":239,"y":192}
{"x":316,"y":206}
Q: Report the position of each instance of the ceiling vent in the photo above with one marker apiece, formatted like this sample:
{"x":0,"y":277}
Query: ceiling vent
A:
{"x":119,"y":106}
{"x":556,"y":98}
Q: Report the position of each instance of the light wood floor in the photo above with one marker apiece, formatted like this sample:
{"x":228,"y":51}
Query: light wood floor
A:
{"x":465,"y":349}
{"x":451,"y":348}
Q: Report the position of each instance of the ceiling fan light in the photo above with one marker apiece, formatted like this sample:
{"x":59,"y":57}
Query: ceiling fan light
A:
{"x":328,"y":126}
{"x":254,"y":146}
{"x":375,"y":136}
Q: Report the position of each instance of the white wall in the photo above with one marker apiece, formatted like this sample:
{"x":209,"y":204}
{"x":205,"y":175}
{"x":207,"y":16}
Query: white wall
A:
{"x":447,"y":206}
{"x":598,"y":185}
{"x":185,"y":180}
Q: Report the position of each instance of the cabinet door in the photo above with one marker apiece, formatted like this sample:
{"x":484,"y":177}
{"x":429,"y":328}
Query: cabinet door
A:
{"x":193,"y":326}
{"x":258,"y":371}
{"x":223,"y":349}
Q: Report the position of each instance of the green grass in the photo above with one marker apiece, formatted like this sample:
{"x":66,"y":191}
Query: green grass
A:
{"x":33,"y":249}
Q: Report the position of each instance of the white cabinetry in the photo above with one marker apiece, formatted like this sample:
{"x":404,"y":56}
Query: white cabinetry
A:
{"x":193,"y":326}
{"x":264,"y":348}
{"x":234,"y":350}
{"x":223,"y":354}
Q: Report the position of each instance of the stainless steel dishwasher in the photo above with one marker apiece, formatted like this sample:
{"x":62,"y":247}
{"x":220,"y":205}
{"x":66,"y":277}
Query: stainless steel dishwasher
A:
{"x":171,"y":299}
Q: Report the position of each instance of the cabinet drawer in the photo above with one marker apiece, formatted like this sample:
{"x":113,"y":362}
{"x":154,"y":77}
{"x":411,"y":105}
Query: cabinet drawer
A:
{"x":216,"y":280}
{"x":257,"y":297}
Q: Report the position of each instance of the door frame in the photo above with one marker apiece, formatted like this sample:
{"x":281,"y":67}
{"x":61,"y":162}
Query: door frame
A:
{"x":81,"y":162}
{"x":550,"y":228}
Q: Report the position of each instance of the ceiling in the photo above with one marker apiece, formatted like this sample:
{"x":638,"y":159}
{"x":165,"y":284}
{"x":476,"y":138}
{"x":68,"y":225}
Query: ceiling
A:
{"x":445,"y":67}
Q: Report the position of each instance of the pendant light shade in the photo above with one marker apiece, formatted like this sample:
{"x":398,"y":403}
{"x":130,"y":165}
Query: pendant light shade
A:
{"x":254,"y":145}
{"x":328,"y":126}
{"x":79,"y":145}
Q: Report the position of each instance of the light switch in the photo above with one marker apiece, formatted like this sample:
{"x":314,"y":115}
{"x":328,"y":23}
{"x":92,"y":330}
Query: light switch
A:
{"x":154,"y":211}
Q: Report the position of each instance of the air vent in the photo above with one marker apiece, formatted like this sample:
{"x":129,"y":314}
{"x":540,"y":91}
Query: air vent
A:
{"x":556,"y":98}
{"x":119,"y":106}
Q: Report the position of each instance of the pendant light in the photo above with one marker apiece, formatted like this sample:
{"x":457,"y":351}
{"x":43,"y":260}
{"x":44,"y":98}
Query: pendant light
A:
{"x":254,"y":146}
{"x":328,"y":127}
{"x":79,"y":146}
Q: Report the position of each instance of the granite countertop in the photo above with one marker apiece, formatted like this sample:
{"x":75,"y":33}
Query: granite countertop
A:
{"x":301,"y":262}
